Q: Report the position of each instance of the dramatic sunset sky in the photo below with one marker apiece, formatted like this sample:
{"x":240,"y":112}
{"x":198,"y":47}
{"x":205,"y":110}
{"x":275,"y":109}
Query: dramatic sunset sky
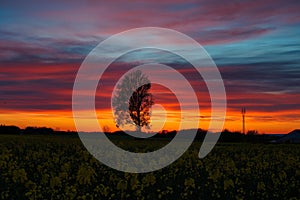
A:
{"x":255,"y":44}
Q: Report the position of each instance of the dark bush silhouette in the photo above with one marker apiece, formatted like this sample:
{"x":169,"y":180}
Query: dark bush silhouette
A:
{"x":38,"y":131}
{"x":9,"y":129}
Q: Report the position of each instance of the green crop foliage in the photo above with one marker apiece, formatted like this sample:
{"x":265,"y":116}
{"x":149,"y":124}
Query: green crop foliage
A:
{"x":59,"y":167}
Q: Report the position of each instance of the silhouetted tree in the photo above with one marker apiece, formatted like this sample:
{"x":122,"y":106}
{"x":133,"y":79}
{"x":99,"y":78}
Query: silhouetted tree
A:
{"x":132,"y":101}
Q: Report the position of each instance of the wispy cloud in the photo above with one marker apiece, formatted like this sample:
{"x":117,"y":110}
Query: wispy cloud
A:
{"x":255,"y":45}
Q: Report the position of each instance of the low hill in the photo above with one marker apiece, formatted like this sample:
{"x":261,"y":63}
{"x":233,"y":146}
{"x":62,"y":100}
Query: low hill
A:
{"x":292,"y":137}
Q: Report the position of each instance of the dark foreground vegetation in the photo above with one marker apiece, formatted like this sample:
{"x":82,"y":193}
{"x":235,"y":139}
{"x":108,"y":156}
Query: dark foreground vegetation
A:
{"x":59,"y":167}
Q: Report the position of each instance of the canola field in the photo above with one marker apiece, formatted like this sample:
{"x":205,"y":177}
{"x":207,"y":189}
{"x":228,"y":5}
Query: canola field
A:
{"x":59,"y":167}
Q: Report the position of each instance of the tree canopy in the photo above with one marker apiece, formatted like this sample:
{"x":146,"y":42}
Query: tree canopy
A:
{"x":132,"y":101}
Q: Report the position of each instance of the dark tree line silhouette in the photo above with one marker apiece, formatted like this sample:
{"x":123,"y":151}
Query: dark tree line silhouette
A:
{"x":14,"y":130}
{"x":226,"y":136}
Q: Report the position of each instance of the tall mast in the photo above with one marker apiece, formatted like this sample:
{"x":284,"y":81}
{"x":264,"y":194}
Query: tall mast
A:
{"x":243,"y":115}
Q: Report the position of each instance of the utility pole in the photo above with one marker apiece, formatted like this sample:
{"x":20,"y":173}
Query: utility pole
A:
{"x":243,"y":115}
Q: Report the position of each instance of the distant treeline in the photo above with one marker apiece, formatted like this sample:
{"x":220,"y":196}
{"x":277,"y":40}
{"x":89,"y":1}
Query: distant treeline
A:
{"x":33,"y":131}
{"x":226,"y":135}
